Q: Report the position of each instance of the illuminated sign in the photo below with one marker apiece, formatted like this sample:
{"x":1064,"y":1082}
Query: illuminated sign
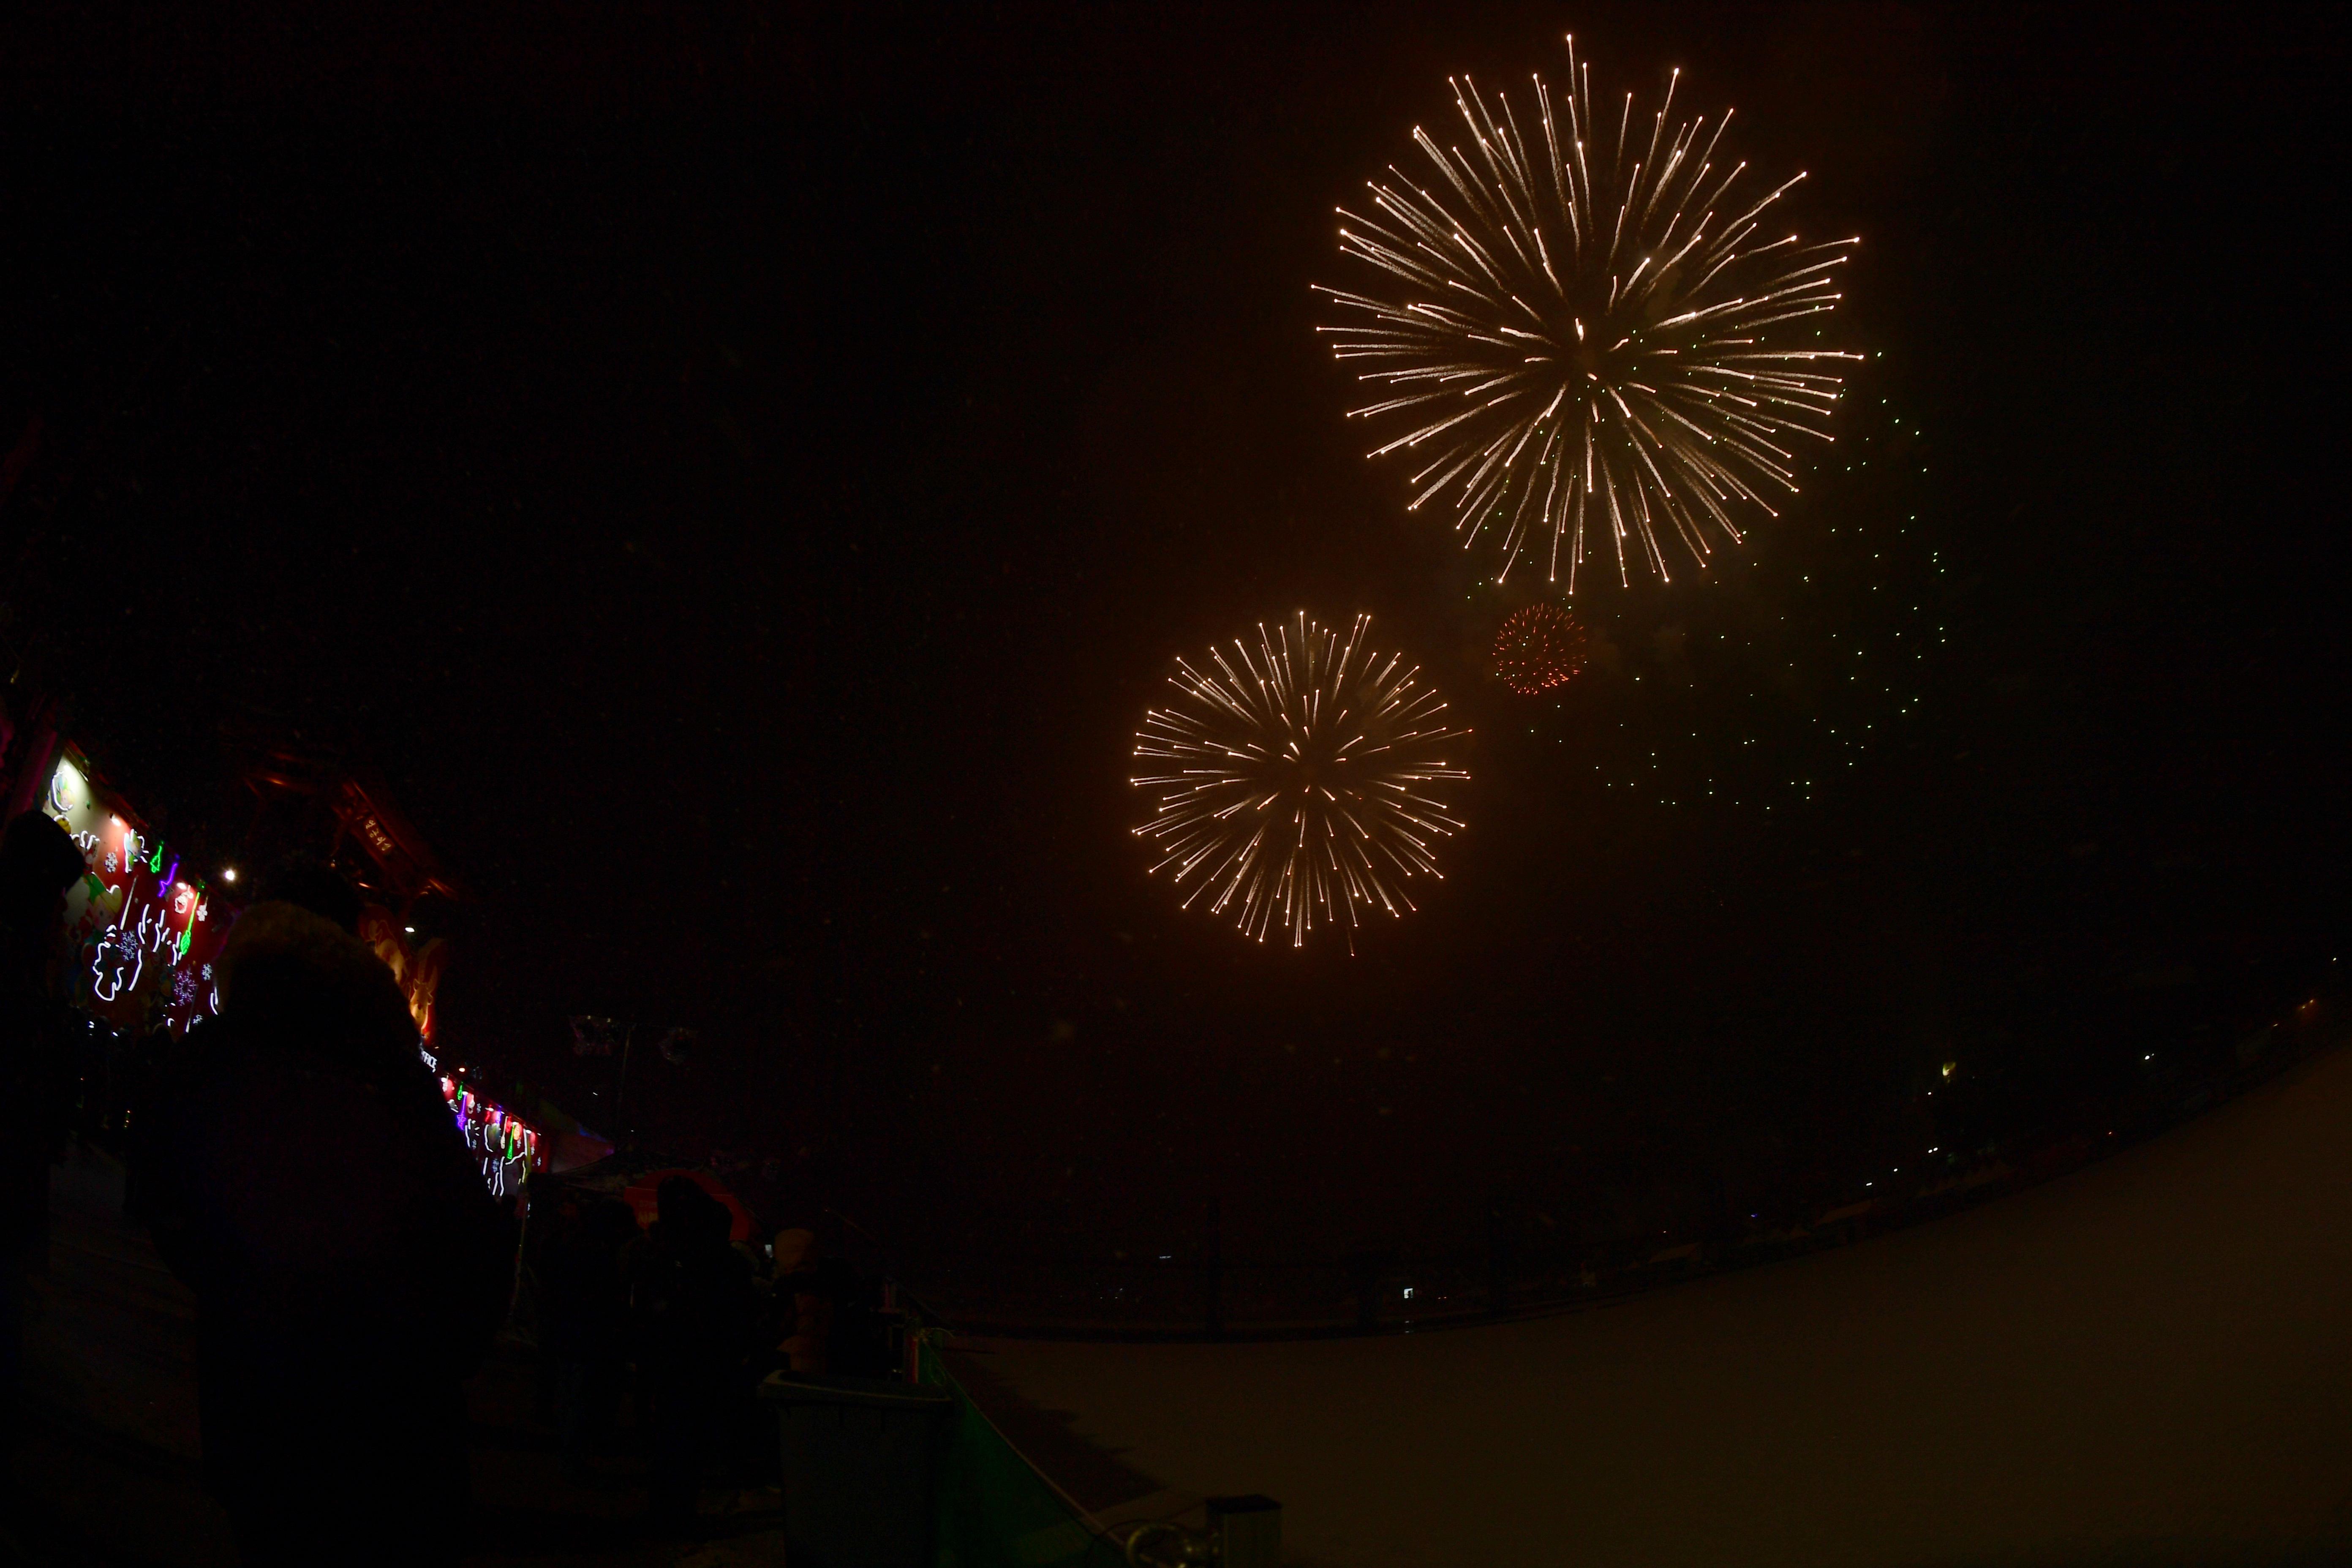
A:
{"x":377,"y":838}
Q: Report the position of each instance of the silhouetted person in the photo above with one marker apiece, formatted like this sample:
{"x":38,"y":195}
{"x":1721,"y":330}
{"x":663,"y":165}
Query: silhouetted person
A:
{"x":857,"y":1344}
{"x":586,"y":1291}
{"x":696,"y":1321}
{"x":38,"y":863}
{"x":804,"y":1302}
{"x":304,"y":1177}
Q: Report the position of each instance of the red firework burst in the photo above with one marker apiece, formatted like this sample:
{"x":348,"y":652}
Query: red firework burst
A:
{"x":1538,"y":647}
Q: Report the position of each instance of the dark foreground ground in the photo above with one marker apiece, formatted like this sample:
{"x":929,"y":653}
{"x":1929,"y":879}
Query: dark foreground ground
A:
{"x":105,"y":1457}
{"x":2147,"y":1361}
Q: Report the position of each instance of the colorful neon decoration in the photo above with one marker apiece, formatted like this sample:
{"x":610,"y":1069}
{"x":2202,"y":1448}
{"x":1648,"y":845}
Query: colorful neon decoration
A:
{"x":115,"y":953}
{"x":134,"y":920}
{"x":507,"y":1147}
{"x":69,"y":792}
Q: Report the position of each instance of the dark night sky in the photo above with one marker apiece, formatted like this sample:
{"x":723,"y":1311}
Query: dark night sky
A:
{"x":742,"y":471}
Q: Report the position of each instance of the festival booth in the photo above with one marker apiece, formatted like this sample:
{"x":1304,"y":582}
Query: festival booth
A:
{"x":144,"y":929}
{"x":144,"y":932}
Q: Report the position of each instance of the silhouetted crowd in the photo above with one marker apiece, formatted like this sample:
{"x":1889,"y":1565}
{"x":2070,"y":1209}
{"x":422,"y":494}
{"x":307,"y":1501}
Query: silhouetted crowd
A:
{"x":297,"y":1167}
{"x":671,"y":1328}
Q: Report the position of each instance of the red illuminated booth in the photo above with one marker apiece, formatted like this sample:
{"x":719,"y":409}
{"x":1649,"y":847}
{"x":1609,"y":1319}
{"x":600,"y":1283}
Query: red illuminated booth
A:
{"x":145,"y":929}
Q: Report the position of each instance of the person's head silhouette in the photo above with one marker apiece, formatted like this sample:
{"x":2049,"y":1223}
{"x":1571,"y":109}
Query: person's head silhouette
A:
{"x":38,"y":861}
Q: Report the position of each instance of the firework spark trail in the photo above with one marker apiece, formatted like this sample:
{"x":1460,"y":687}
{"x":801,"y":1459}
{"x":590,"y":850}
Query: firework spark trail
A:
{"x":1294,"y":791}
{"x":1588,"y":339}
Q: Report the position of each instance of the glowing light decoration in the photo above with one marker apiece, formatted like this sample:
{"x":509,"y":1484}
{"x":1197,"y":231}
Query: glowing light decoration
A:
{"x":1293,"y":786}
{"x":1538,"y":647}
{"x":133,"y":921}
{"x":1592,"y":333}
{"x":68,"y":792}
{"x":507,"y":1147}
{"x":116,"y":961}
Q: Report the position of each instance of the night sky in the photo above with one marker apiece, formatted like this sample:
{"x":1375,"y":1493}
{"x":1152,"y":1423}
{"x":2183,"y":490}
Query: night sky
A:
{"x":741,"y":471}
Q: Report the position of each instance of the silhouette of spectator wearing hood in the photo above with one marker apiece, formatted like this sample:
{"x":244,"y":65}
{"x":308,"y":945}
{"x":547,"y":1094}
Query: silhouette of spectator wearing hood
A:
{"x":698,"y":1320}
{"x":38,"y":863}
{"x":586,"y":1311}
{"x":304,"y":1177}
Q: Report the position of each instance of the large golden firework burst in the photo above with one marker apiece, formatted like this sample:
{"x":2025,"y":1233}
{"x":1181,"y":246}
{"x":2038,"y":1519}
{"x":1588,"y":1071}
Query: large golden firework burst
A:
{"x":1293,"y":786}
{"x":1596,"y":331}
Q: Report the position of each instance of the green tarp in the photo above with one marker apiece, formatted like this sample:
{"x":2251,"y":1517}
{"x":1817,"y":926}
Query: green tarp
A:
{"x":995,"y":1510}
